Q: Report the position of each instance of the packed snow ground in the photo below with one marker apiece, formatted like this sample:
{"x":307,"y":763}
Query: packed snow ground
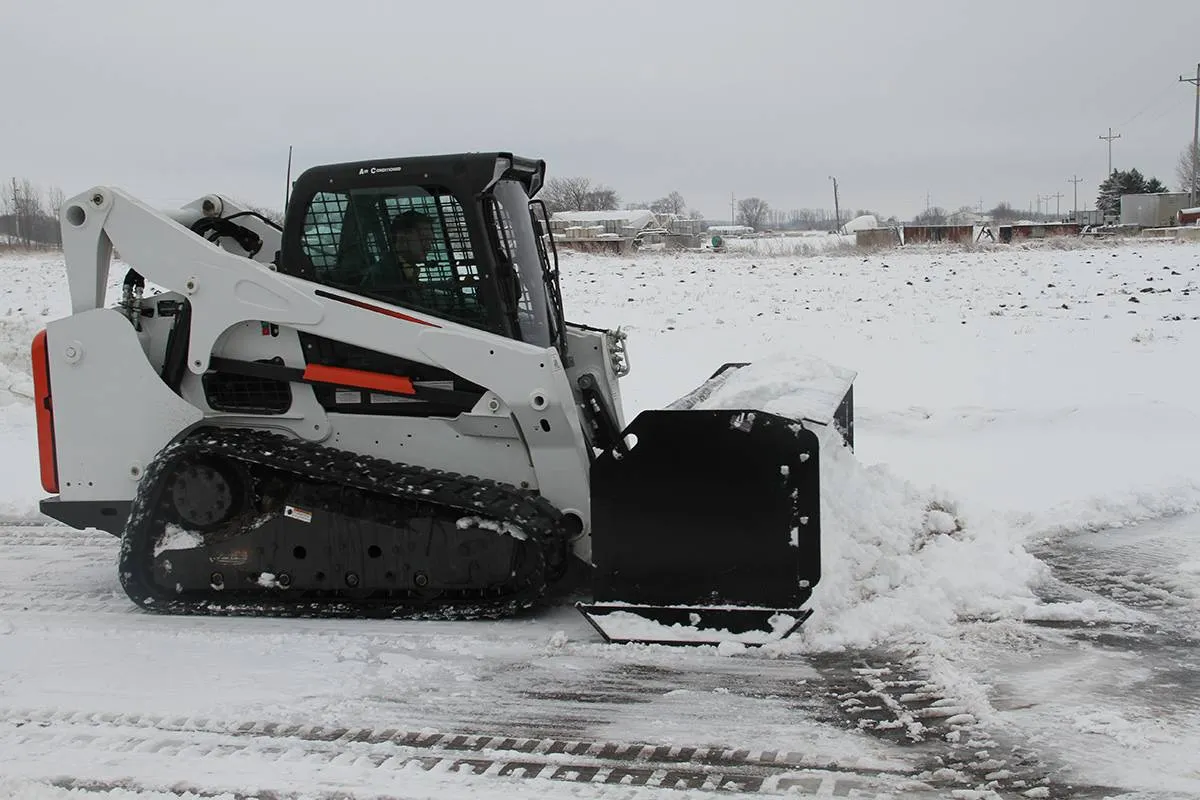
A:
{"x":1011,"y":563}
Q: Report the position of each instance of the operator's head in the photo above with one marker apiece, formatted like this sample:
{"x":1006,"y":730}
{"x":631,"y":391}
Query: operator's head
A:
{"x":412,"y":235}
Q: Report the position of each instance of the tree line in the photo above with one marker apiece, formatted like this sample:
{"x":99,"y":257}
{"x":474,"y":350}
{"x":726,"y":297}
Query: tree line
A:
{"x":29,"y":215}
{"x":578,"y":193}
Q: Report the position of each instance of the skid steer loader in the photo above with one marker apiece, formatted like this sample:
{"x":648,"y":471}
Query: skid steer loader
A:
{"x":378,"y":409}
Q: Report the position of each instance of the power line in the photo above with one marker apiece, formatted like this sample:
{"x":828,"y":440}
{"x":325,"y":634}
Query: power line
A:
{"x":1152,"y":104}
{"x":1057,"y":203}
{"x":1110,"y":138}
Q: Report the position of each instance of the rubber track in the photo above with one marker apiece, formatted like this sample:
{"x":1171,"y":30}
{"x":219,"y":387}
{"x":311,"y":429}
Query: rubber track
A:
{"x":342,"y":471}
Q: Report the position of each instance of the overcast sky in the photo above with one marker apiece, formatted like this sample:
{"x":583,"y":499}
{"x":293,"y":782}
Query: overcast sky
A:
{"x":960,"y":101}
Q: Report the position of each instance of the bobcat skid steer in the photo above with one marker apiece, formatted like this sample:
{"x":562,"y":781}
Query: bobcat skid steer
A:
{"x":379,"y":410}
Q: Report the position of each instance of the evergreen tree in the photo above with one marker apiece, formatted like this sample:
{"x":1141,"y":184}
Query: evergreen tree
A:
{"x":1124,"y":182}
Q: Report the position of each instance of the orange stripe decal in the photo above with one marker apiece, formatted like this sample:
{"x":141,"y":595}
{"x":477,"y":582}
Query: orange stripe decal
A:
{"x":358,"y":378}
{"x":47,"y":457}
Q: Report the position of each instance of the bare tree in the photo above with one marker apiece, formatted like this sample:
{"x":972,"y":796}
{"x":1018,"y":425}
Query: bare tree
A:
{"x":578,"y":194}
{"x":752,"y":211}
{"x":26,"y":216}
{"x":55,"y":199}
{"x":1004,"y":212}
{"x":28,"y":212}
{"x":1183,"y":169}
{"x":566,"y":194}
{"x":671,"y":204}
{"x":6,"y":213}
{"x":931,"y":216}
{"x":602,"y":198}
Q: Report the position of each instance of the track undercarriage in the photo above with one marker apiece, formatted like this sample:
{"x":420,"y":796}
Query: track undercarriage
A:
{"x":237,"y":521}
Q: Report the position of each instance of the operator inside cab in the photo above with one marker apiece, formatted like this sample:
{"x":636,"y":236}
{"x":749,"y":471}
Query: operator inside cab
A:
{"x":412,"y":239}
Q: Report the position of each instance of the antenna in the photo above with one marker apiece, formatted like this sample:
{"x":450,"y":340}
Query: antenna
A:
{"x":287,"y":188}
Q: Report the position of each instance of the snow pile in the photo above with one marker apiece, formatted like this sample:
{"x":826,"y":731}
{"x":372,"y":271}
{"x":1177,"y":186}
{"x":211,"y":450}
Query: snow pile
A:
{"x":1116,"y":510}
{"x":176,"y":538}
{"x":498,"y":526}
{"x":17,"y":329}
{"x":798,"y":386}
{"x":867,"y":222}
{"x":897,"y":560}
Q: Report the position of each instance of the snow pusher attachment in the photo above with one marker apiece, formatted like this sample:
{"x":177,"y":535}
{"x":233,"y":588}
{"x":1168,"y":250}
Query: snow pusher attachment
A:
{"x":708,"y":529}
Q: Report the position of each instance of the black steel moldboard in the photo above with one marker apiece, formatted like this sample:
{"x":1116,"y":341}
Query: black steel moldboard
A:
{"x":702,"y":512}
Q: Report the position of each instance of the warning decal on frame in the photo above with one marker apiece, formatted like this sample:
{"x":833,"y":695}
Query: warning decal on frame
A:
{"x":297,"y":513}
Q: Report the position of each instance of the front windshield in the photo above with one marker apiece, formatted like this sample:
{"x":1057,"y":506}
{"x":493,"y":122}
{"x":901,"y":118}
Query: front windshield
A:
{"x":518,"y":243}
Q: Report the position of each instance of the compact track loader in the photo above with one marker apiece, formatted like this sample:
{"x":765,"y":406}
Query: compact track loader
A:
{"x":379,"y":409}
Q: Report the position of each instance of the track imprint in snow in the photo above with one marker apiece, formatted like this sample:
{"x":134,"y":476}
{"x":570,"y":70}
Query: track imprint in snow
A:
{"x":887,"y":696}
{"x":577,"y":761}
{"x":639,"y":765}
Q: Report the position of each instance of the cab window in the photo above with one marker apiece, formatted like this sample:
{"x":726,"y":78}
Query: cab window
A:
{"x":405,"y":245}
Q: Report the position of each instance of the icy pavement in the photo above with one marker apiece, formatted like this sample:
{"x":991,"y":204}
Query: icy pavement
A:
{"x":97,"y":694}
{"x":1011,"y":580}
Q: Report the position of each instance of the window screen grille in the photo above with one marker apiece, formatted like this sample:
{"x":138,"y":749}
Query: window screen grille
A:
{"x":348,"y":239}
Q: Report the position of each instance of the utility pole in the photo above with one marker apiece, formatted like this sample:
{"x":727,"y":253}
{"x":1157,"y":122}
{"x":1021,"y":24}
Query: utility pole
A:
{"x":1110,"y":138}
{"x":1057,"y":204}
{"x":1195,"y":128}
{"x":1076,"y":180}
{"x":837,"y":212}
{"x":732,"y":213}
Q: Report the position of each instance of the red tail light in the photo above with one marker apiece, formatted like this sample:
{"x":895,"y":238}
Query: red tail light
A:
{"x":47,"y":456}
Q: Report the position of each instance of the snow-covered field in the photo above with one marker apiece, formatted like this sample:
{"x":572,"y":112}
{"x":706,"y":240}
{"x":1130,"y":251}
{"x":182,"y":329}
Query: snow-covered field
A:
{"x":1011,"y":578}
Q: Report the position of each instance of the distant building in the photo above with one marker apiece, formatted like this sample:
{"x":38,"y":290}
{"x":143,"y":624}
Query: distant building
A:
{"x":609,"y":224}
{"x":966,"y":217}
{"x":1153,"y":210}
{"x":1189,"y":216}
{"x":730,"y":230}
{"x":607,"y":231}
{"x":679,"y":225}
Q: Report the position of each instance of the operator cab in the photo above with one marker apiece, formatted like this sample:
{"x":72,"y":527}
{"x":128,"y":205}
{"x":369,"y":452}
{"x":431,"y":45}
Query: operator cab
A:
{"x":454,"y":237}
